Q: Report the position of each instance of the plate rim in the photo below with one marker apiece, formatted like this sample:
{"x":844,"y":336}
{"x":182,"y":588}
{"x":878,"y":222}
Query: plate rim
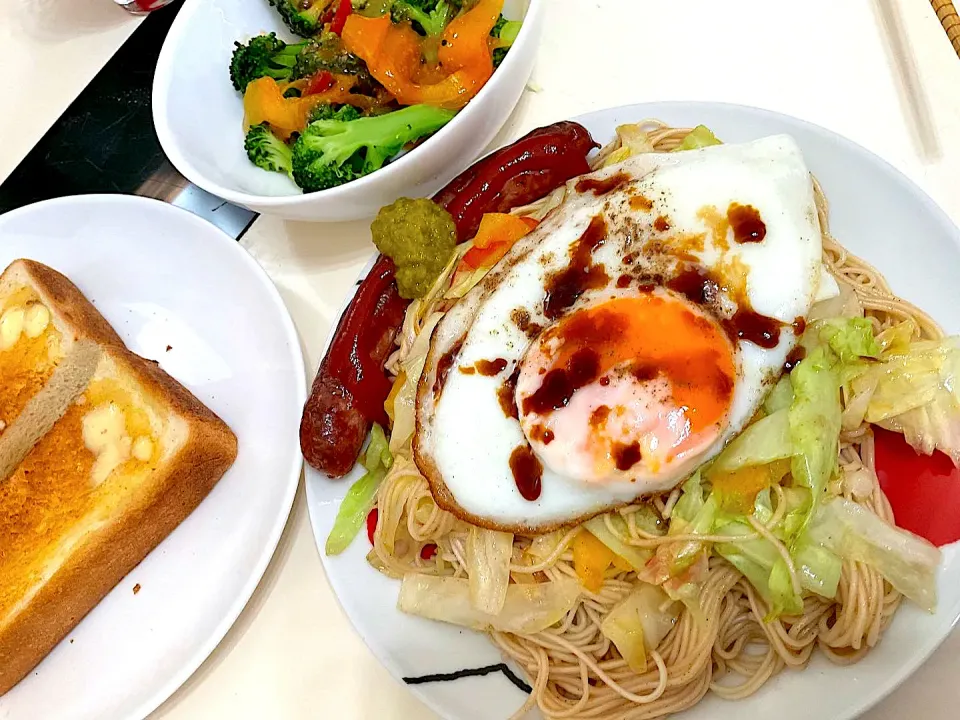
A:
{"x":150,"y":205}
{"x":312,"y":476}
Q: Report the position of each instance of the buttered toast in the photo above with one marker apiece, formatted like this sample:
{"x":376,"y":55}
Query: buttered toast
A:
{"x":102,"y":455}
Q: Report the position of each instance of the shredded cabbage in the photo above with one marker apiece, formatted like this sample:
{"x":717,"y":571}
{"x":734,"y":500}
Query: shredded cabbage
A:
{"x":362,"y":495}
{"x":763,"y":442}
{"x":850,"y":338}
{"x":488,"y":565}
{"x":815,"y":422}
{"x":633,"y":141}
{"x":916,"y":391}
{"x":639,"y":623}
{"x":600,"y":527}
{"x":526,"y":609}
{"x":908,"y":562}
{"x":699,"y":137}
{"x":404,"y":405}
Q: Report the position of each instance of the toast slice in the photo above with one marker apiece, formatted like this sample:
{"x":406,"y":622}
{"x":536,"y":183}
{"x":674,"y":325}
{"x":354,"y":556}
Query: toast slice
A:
{"x":104,"y":456}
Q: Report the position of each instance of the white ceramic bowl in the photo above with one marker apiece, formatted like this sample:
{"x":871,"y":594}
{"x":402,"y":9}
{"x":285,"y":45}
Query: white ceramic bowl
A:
{"x":199,"y":116}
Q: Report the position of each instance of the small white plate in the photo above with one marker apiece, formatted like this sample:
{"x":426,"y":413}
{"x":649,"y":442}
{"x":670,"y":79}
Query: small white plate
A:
{"x":179,"y":291}
{"x":878,"y":214}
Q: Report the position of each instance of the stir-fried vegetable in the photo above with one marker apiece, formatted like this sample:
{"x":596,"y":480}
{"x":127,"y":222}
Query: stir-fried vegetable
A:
{"x":332,"y":152}
{"x":497,"y":234}
{"x":267,"y":151}
{"x":393,"y":54}
{"x":263,"y":56}
{"x":639,"y":623}
{"x":611,"y":529}
{"x":303,"y":17}
{"x":908,"y":562}
{"x":488,"y":565}
{"x":362,"y":495}
{"x":699,"y":137}
{"x":527,"y":608}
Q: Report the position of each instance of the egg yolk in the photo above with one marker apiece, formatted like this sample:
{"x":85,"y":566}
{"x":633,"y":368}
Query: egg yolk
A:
{"x":631,"y":388}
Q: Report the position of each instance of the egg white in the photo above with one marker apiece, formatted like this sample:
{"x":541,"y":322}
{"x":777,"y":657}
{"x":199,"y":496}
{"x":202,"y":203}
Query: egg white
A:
{"x":464,"y":439}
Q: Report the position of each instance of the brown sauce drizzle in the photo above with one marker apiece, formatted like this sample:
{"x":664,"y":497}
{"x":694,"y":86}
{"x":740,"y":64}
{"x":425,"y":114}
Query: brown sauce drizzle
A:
{"x":696,"y":286}
{"x":599,"y":415}
{"x":602,"y":187}
{"x":565,"y":286}
{"x":753,"y":327}
{"x":794,"y":358}
{"x":799,"y":325}
{"x":541,"y":434}
{"x":443,"y":366}
{"x":527,"y":472}
{"x":489,"y":368}
{"x":626,"y":456}
{"x":746,"y":223}
{"x":661,"y":224}
{"x":468,"y":369}
{"x":560,"y":384}
{"x":639,"y":202}
{"x":623,"y":281}
{"x":506,"y":395}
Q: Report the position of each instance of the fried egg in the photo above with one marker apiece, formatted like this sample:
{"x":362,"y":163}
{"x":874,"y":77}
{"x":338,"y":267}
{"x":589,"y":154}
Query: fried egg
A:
{"x":625,"y":341}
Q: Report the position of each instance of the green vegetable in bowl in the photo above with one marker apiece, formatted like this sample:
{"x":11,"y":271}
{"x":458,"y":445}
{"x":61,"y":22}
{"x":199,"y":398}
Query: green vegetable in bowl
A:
{"x":419,"y":236}
{"x":303,"y":17}
{"x":263,"y":56}
{"x":267,"y":151}
{"x":506,"y":32}
{"x":428,"y":16}
{"x":327,"y":111}
{"x":334,"y":151}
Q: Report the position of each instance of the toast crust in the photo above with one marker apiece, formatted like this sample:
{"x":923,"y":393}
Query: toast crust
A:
{"x":150,"y":510}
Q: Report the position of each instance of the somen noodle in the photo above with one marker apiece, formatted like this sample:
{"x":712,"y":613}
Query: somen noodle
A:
{"x":732,"y":649}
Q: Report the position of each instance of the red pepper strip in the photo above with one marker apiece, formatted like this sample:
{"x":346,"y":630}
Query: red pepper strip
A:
{"x":340,"y":17}
{"x":372,"y":524}
{"x":428,"y":551}
{"x":319,"y":82}
{"x":533,"y":166}
{"x":923,"y":490}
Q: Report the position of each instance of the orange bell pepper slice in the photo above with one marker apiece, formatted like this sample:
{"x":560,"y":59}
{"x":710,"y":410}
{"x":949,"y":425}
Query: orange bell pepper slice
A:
{"x":393,"y":55}
{"x":263,"y":101}
{"x":496,"y":235}
{"x":591,"y":558}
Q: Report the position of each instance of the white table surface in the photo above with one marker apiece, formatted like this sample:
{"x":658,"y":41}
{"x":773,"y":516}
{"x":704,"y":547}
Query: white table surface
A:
{"x":878,"y":71}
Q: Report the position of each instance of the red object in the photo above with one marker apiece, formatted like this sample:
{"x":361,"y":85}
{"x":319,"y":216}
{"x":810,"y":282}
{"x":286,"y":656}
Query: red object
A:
{"x":520,"y":173}
{"x":428,"y":551}
{"x":351,"y":387}
{"x":319,"y":82}
{"x":340,"y":17}
{"x":372,"y":524}
{"x":924,"y":490}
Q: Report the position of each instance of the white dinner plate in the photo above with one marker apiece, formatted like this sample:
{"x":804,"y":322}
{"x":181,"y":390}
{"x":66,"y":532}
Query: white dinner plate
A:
{"x":878,"y":214}
{"x":181,"y":292}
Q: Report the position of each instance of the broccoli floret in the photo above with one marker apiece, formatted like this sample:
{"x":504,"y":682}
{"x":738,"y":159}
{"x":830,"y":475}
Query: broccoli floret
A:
{"x":263,"y":56}
{"x":333,"y":152}
{"x":326,"y":52}
{"x":328,"y":111}
{"x":267,"y":151}
{"x":506,"y":32}
{"x":428,"y":16}
{"x":303,"y":17}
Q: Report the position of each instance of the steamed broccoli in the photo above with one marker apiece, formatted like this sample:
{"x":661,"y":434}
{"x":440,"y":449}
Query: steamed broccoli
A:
{"x":506,"y":31}
{"x":267,"y":151}
{"x":431,"y":16}
{"x":334,"y":151}
{"x":326,"y":52}
{"x":327,"y":111}
{"x":304,"y":17}
{"x":263,"y":56}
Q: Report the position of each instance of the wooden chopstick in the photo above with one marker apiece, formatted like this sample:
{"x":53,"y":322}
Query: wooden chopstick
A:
{"x":947,"y":14}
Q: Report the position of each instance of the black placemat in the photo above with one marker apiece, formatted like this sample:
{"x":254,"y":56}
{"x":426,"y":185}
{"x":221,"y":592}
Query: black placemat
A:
{"x":105,"y":141}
